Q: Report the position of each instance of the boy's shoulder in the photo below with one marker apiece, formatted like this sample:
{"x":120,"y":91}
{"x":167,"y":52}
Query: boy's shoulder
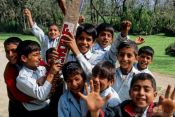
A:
{"x":26,"y":72}
{"x":133,"y":71}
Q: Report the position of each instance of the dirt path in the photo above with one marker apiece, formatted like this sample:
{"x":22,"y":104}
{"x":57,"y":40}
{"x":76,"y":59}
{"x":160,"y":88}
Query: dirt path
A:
{"x":162,"y":82}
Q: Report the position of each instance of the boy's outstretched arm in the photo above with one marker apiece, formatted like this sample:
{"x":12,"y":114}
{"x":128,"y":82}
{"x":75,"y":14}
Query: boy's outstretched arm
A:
{"x":28,"y":14}
{"x":166,"y":104}
{"x":62,"y":5}
{"x":93,"y":99}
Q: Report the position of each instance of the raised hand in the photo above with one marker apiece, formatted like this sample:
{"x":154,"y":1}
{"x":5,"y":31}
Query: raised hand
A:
{"x":139,"y":40}
{"x":28,"y":14}
{"x":166,"y":104}
{"x":93,"y":99}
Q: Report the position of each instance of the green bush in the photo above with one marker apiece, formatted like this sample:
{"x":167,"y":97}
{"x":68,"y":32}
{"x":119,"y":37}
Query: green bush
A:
{"x":170,"y":50}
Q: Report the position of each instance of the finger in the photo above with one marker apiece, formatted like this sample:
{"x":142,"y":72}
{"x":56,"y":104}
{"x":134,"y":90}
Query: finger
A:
{"x":97,"y":87}
{"x":86,"y":88}
{"x":70,"y":34}
{"x":173,"y":94}
{"x":167,"y":93}
{"x":82,"y":95}
{"x":161,"y":98}
{"x":92,"y":85}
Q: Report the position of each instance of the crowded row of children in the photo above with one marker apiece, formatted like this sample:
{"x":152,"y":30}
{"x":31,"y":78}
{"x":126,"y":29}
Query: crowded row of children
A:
{"x":56,"y":90}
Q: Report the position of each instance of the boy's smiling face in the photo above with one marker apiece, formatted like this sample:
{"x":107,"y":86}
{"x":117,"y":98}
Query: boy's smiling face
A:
{"x":144,"y":60}
{"x":53,"y":32}
{"x":105,"y":38}
{"x":11,"y":53}
{"x":32,"y":60}
{"x":84,"y":42}
{"x":126,"y":58}
{"x":142,"y":93}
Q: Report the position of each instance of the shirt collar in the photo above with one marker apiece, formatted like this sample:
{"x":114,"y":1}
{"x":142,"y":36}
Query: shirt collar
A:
{"x":52,"y":40}
{"x":130,"y":109}
{"x":88,"y":55}
{"x":98,"y":47}
{"x":132,"y":72}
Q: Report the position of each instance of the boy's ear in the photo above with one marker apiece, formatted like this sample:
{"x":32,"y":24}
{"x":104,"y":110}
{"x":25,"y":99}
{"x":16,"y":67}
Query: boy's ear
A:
{"x":23,"y":58}
{"x":136,"y":56}
{"x":155,"y":94}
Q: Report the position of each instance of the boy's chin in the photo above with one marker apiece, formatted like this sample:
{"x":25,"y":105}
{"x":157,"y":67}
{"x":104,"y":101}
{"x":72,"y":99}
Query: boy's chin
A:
{"x":141,"y":105}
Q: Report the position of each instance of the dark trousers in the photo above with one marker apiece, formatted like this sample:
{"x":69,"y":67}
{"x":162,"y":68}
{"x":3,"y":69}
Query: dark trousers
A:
{"x":16,"y":109}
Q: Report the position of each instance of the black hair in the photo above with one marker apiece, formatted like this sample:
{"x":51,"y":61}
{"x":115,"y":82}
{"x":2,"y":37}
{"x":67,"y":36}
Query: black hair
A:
{"x":147,"y":50}
{"x":143,"y":76}
{"x":48,"y":51}
{"x":26,"y":47}
{"x":12,"y":40}
{"x":128,"y":44}
{"x":72,"y":68}
{"x":88,"y":28}
{"x":105,"y":27}
{"x":104,"y":69}
{"x":53,"y":24}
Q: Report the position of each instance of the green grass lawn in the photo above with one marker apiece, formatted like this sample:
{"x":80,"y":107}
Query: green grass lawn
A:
{"x":161,"y":63}
{"x":4,"y":36}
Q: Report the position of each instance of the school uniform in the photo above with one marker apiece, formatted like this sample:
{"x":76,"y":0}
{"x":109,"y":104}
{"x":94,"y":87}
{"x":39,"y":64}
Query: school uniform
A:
{"x":114,"y":100}
{"x":98,"y":49}
{"x":122,"y":83}
{"x":26,"y":83}
{"x":144,"y":70}
{"x":126,"y":109}
{"x":68,"y":106}
{"x":44,"y":40}
{"x":87,"y":61}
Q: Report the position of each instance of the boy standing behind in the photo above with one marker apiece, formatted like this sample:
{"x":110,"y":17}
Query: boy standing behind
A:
{"x":29,"y":55}
{"x":145,"y":57}
{"x":46,"y":41}
{"x":104,"y":39}
{"x":11,"y":71}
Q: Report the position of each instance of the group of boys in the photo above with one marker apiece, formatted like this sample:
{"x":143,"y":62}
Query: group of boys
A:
{"x":128,"y":90}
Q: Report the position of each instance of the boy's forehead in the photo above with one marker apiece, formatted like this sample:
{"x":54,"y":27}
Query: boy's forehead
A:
{"x":145,"y":54}
{"x":53,"y":26}
{"x":127,"y":49}
{"x":85,"y":35}
{"x":105,"y":31}
{"x":141,"y":83}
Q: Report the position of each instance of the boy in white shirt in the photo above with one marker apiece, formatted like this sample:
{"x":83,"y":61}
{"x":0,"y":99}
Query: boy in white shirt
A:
{"x":105,"y":33}
{"x":145,"y":57}
{"x":46,"y":41}
{"x":104,"y":73}
{"x":30,"y":73}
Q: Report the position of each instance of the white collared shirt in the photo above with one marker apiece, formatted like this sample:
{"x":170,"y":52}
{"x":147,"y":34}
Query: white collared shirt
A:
{"x":26,"y":83}
{"x":122,"y":83}
{"x":98,"y":49}
{"x":144,"y":70}
{"x":114,"y":100}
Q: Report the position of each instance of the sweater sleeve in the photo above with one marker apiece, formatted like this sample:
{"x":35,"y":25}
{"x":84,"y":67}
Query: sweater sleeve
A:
{"x":10,"y":75}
